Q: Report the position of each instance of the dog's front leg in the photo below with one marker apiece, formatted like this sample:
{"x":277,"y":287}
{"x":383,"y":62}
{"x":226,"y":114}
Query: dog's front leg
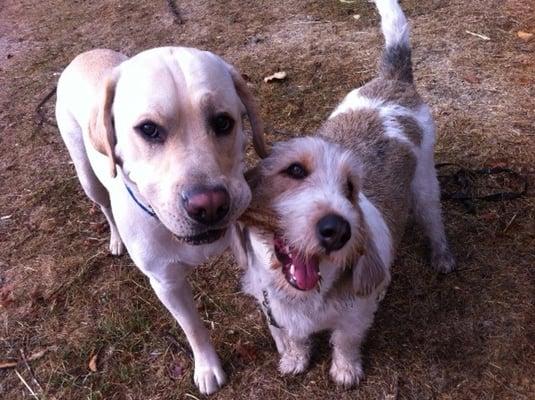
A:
{"x":176,"y":295}
{"x":346,"y":366}
{"x":296,"y":354}
{"x":346,"y":339}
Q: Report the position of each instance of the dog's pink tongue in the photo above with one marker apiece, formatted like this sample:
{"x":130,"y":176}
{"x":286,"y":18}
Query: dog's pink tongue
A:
{"x":306,"y":272}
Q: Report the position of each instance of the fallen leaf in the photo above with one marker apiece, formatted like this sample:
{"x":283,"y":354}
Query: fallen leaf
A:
{"x":6,"y":295}
{"x":276,"y":76}
{"x":525,"y":36}
{"x":100,"y":227}
{"x":246,"y":352}
{"x":488,"y":216}
{"x":471,"y":78}
{"x":10,"y":363}
{"x":93,"y":363}
{"x":499,"y":164}
{"x":176,"y":370}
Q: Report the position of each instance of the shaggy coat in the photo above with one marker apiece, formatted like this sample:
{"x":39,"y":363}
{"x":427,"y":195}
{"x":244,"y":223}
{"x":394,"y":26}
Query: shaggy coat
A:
{"x":328,"y":212}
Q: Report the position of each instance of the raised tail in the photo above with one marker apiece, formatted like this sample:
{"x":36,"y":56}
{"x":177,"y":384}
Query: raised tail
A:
{"x":396,"y":63}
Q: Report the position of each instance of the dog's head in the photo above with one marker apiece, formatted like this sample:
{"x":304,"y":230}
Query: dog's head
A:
{"x":172,"y":119}
{"x":306,"y":212}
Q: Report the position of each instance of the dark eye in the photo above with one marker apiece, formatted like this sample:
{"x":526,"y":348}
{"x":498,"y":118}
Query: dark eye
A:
{"x":150,"y":131}
{"x":296,"y":171}
{"x":222,"y":124}
{"x":350,"y":189}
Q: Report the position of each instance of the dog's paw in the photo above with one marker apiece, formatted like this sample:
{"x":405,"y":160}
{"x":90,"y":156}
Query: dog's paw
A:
{"x":116,"y":246}
{"x":346,"y":373}
{"x":294,"y":361}
{"x":443,"y":261}
{"x":209,"y":378}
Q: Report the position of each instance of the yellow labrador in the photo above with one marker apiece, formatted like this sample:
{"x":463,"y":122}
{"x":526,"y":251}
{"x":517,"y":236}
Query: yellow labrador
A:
{"x":157,"y":141}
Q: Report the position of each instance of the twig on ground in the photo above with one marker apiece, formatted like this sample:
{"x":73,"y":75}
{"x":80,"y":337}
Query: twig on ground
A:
{"x":26,"y":384}
{"x":80,"y":273}
{"x":479,"y":35}
{"x":29,"y":369}
{"x":11,"y":363}
{"x":39,"y":110}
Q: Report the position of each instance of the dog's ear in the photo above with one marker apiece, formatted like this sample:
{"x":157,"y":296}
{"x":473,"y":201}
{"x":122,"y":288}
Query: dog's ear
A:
{"x":253,"y":176}
{"x":370,"y":270}
{"x":102,"y":130}
{"x":239,"y":245}
{"x":249,"y":102}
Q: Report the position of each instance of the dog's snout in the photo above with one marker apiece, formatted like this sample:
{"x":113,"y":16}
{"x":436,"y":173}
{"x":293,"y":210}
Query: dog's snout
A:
{"x":333,"y":232}
{"x":207,"y":205}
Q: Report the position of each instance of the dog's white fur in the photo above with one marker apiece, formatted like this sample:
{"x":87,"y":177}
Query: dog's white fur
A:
{"x":101,"y":97}
{"x":331,"y":161}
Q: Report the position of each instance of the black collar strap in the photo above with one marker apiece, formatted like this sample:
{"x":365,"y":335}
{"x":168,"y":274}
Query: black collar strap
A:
{"x":148,"y":209}
{"x":267,"y":310}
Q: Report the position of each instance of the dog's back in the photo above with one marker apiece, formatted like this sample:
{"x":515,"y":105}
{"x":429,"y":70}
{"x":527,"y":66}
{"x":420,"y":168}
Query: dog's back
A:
{"x":384,"y":123}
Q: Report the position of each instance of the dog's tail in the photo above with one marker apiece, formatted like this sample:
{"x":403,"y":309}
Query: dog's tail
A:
{"x":396,"y":63}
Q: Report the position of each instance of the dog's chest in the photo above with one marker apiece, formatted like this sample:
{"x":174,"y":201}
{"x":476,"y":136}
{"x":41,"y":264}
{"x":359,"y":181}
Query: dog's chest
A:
{"x":303,"y":317}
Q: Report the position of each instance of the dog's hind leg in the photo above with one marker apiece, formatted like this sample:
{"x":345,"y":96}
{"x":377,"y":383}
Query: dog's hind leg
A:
{"x":71,"y":133}
{"x":426,"y":200}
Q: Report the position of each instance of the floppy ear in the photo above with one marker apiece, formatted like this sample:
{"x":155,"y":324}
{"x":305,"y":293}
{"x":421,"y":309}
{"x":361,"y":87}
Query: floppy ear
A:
{"x":239,"y":245}
{"x":101,"y":130}
{"x":252,"y":177}
{"x":370,"y":270}
{"x":252,"y":112}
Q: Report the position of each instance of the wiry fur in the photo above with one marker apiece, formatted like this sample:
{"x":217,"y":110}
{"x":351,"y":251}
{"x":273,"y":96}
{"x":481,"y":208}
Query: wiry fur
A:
{"x":380,"y":138}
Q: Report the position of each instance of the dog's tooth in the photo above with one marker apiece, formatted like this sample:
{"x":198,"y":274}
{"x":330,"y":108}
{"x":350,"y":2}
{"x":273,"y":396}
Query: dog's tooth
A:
{"x":292,"y":270}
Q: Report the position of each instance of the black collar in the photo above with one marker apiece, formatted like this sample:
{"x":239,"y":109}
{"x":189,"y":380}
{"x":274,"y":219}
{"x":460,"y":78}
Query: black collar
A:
{"x":267,"y":310}
{"x":148,"y":209}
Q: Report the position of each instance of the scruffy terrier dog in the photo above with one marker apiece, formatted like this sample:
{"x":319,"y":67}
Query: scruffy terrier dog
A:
{"x":329,"y":211}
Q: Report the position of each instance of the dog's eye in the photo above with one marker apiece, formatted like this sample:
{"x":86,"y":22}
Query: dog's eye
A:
{"x":296,"y":171}
{"x":222,"y":124}
{"x":150,"y":131}
{"x":350,"y":189}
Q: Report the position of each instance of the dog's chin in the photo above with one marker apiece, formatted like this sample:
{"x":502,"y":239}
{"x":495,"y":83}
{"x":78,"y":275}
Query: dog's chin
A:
{"x":300,"y":271}
{"x":201,"y":238}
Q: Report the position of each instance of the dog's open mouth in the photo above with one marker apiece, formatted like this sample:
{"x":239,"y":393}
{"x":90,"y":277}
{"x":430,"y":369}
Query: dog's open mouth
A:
{"x":302,"y":273}
{"x":202,"y":238}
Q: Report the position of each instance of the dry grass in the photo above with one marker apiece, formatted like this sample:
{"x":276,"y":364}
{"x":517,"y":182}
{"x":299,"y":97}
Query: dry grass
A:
{"x":469,"y":335}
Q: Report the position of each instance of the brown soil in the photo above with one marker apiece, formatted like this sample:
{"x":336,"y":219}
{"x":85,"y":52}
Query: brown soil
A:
{"x":468,"y":335}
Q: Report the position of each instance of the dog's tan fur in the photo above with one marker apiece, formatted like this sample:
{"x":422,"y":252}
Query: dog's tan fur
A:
{"x":370,"y":162}
{"x":388,"y":165}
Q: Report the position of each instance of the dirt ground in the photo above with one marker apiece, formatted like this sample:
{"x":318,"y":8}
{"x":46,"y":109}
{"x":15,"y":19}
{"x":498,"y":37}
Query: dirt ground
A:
{"x":467,"y":335}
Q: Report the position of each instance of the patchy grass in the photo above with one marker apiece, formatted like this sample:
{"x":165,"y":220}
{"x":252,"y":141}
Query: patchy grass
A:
{"x":470,"y":334}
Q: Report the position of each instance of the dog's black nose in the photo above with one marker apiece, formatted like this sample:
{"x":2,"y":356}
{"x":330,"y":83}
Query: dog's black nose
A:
{"x":207,"y":205}
{"x":333,"y":232}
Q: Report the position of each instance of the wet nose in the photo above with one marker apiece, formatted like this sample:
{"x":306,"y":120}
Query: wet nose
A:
{"x":333,"y":232}
{"x":207,"y":205}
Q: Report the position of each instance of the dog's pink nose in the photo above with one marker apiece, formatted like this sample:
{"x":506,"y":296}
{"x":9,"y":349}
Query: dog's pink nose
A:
{"x":207,"y":205}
